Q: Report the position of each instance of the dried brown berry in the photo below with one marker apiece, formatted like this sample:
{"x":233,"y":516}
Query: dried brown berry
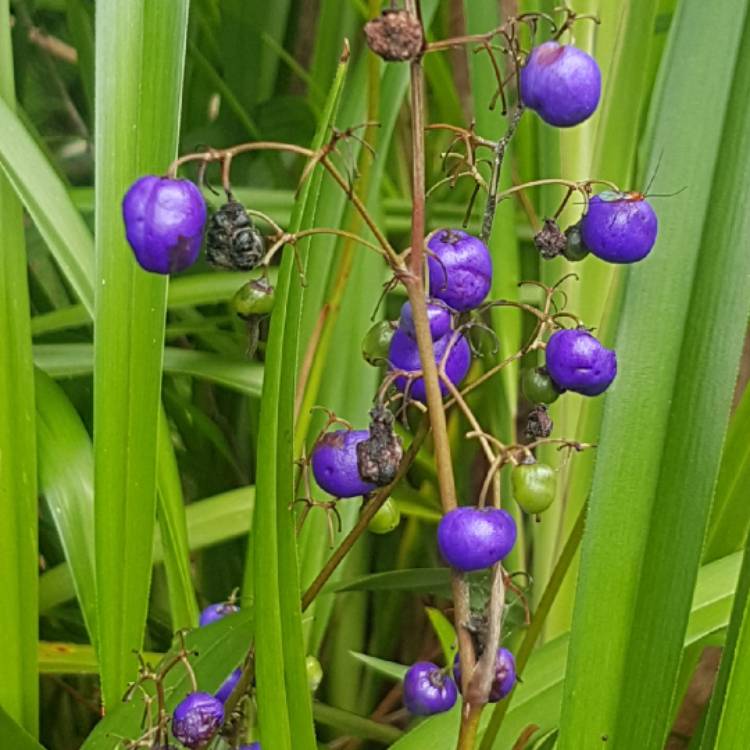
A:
{"x":396,"y":36}
{"x":379,"y":456}
{"x":538,"y":423}
{"x":550,"y":241}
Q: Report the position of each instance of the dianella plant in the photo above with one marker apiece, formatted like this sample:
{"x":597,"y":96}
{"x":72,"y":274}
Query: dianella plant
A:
{"x":374,"y":376}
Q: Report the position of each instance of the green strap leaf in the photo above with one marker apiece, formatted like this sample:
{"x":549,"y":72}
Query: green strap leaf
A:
{"x":210,"y":521}
{"x":283,"y":696}
{"x":19,"y":687}
{"x":666,"y":415}
{"x":140,"y":49}
{"x":71,"y":360}
{"x":66,"y":480}
{"x":13,"y":735}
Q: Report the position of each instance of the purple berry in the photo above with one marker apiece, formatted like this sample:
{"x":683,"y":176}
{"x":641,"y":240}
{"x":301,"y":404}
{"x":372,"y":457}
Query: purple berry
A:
{"x":334,"y":464}
{"x":460,"y":269}
{"x":475,"y":538}
{"x":619,"y":227}
{"x":404,"y":355}
{"x":228,"y":685}
{"x":214,"y":612}
{"x":164,"y":222}
{"x":505,"y":675}
{"x":578,"y":362}
{"x":561,"y":83}
{"x":427,"y":690}
{"x":438,"y":315}
{"x":253,"y":746}
{"x":197,"y":718}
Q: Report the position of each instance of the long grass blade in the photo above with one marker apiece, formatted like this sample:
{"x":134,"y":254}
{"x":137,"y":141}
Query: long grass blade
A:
{"x":66,"y":480}
{"x":140,"y":49}
{"x":643,"y":537}
{"x":18,"y":501}
{"x":272,"y":571}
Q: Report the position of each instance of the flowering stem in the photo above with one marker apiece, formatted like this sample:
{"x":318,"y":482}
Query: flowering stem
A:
{"x":415,"y":289}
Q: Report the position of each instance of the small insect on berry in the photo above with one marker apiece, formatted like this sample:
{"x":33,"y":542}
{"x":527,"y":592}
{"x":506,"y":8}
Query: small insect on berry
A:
{"x":232,"y":240}
{"x":619,"y":227}
{"x":577,"y":361}
{"x":561,"y":83}
{"x":460,"y":269}
{"x":197,"y":718}
{"x":395,"y":36}
{"x":534,"y":486}
{"x":428,"y":690}
{"x":475,"y":538}
{"x":504,"y":678}
{"x":335,"y":464}
{"x":215,"y":612}
{"x":164,"y":220}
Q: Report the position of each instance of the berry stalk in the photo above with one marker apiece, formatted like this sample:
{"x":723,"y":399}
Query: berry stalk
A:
{"x":443,"y":463}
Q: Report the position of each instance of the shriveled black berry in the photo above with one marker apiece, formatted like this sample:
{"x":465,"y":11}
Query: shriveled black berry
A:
{"x":232,"y":240}
{"x":538,"y":423}
{"x":395,"y":36}
{"x":379,"y":456}
{"x":549,"y":240}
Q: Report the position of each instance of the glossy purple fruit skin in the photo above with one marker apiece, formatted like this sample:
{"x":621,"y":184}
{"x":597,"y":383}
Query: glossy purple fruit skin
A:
{"x":439,"y":317}
{"x":228,"y":685}
{"x":460,"y":269}
{"x":215,"y":612}
{"x":619,"y":227}
{"x":427,"y":690}
{"x":253,"y":746}
{"x":334,"y":464}
{"x":164,"y":222}
{"x":475,"y":538}
{"x":197,"y":718}
{"x":561,"y":83}
{"x":577,"y":361}
{"x":404,"y":355}
{"x":505,"y":674}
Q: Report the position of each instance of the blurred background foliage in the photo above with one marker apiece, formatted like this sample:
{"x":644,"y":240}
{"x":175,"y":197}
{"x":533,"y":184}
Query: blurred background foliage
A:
{"x":667,"y":477}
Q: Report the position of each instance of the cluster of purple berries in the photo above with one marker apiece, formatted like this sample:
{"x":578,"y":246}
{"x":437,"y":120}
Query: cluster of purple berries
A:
{"x":430,"y":690}
{"x":460,"y":276}
{"x":199,"y":716}
{"x":562,"y":84}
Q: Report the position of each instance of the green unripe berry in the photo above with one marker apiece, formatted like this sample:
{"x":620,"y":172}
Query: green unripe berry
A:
{"x":534,"y":486}
{"x":377,"y":342}
{"x":538,"y":386}
{"x":314,"y":673}
{"x":253,"y":298}
{"x":386,"y":519}
{"x":575,"y":248}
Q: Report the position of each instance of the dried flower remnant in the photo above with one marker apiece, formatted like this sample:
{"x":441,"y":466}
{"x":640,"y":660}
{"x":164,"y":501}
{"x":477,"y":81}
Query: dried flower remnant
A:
{"x":395,"y":36}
